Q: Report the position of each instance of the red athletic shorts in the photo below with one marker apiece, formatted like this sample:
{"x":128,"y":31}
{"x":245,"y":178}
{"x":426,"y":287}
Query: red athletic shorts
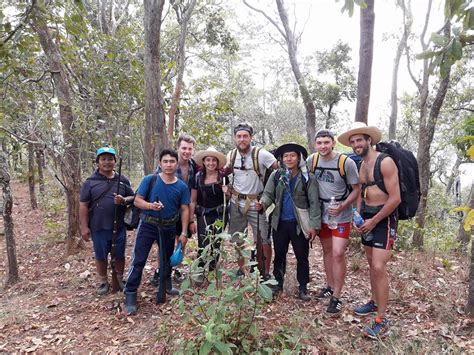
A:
{"x":342,"y":231}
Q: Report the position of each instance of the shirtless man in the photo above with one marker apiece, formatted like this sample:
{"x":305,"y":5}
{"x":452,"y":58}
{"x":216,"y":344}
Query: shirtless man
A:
{"x":379,"y":211}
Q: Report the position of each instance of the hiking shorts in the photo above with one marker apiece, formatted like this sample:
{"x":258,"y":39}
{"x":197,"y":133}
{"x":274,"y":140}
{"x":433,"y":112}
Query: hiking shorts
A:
{"x":343,"y":230}
{"x":102,"y":241}
{"x":384,"y":233}
{"x":239,"y":222}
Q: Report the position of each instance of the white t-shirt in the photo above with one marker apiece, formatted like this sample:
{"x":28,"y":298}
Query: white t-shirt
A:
{"x":331,"y":183}
{"x":247,"y":181}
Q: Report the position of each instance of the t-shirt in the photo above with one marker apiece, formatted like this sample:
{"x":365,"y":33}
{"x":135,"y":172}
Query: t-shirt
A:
{"x":101,"y":203}
{"x":287,"y":209}
{"x":209,"y":195}
{"x":331,"y":183}
{"x":246,"y":181}
{"x":172,"y":196}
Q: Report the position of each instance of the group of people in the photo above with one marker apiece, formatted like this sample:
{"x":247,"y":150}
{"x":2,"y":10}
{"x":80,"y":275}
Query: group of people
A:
{"x":307,"y":197}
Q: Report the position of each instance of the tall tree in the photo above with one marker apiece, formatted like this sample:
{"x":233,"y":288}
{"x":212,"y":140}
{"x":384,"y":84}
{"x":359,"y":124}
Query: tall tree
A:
{"x":291,"y":41}
{"x":155,"y":135}
{"x":366,"y":53}
{"x":70,"y":159}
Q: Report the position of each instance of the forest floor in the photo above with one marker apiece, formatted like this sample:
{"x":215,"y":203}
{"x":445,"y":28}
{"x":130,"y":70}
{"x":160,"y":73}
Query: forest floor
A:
{"x":54,"y":306}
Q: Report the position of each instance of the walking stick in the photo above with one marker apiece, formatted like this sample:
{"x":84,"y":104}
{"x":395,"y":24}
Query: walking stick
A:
{"x":161,"y":295}
{"x":116,"y":283}
{"x":260,"y":251}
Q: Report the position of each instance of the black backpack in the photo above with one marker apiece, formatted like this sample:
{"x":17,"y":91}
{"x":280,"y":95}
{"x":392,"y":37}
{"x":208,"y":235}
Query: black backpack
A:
{"x":408,"y":177}
{"x":133,"y":222}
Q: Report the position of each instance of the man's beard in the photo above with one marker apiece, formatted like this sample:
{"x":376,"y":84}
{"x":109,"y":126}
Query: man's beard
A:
{"x":364,"y":152}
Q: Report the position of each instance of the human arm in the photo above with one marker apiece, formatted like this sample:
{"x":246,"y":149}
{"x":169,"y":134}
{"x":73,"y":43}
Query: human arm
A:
{"x":84,"y":220}
{"x":314,"y":205}
{"x":192,"y":208}
{"x":183,"y":238}
{"x":142,"y":204}
{"x":268,"y":196}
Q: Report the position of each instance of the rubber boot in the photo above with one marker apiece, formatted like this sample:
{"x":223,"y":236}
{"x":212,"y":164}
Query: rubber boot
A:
{"x":131,"y":303}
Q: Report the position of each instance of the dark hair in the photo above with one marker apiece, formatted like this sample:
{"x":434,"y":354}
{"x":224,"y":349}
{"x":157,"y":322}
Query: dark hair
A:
{"x":171,"y":152}
{"x":187,"y":138}
{"x":244,"y":126}
{"x":366,"y":136}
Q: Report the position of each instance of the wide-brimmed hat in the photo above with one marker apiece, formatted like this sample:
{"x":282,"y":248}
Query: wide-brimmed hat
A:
{"x":360,"y":128}
{"x":290,"y":147}
{"x":210,"y":152}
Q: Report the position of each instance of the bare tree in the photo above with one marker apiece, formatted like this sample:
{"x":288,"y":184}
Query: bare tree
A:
{"x":366,"y":53}
{"x":470,"y":298}
{"x":291,"y":40}
{"x":183,"y":14}
{"x":70,"y":159}
{"x":7,"y":203}
{"x":31,"y":176}
{"x":155,"y":137}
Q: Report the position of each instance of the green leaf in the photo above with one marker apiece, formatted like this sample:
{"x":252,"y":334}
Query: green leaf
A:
{"x":439,"y":40}
{"x":222,"y":347}
{"x":264,"y":292}
{"x":456,"y":49}
{"x":426,"y":55}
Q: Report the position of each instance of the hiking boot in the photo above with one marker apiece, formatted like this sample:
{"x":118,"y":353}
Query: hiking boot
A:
{"x":366,"y":309}
{"x":199,"y":278}
{"x":131,"y":303}
{"x":303,"y":295}
{"x":377,"y":329}
{"x":324,"y":292}
{"x":155,"y":280}
{"x":335,"y":306}
{"x":103,"y":288}
{"x":276,"y":289}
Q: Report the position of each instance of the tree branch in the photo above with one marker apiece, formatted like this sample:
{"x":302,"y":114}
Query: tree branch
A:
{"x":23,"y":139}
{"x":20,"y":24}
{"x":267,"y":17}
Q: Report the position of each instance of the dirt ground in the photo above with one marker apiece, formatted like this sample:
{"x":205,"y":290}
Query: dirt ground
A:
{"x":54,"y":306}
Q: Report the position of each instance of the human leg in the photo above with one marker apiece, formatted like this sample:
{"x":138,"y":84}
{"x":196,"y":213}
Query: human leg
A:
{"x":280,"y":244}
{"x":325,"y":237}
{"x":301,"y":249}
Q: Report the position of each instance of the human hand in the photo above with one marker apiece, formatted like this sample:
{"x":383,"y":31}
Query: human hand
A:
{"x":86,"y":234}
{"x":193,"y":227}
{"x":258,"y":205}
{"x":119,"y":199}
{"x":183,"y":239}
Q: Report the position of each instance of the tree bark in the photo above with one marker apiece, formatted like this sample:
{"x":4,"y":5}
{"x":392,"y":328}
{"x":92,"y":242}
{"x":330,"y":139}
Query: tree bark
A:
{"x":181,"y":63}
{"x":155,"y":136}
{"x":366,"y":53}
{"x":31,"y":176}
{"x":70,"y":162}
{"x":392,"y":129}
{"x":470,"y":297}
{"x":290,"y":40}
{"x":425,"y":139}
{"x":39,"y":152}
{"x":12,"y":272}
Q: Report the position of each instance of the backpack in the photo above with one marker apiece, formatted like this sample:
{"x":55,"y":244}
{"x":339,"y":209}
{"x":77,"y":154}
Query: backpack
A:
{"x":408,"y":177}
{"x":132,"y":215}
{"x":341,"y":168}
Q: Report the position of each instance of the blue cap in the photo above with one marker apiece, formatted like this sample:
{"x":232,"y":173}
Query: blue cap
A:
{"x":177,"y":257}
{"x":105,"y":150}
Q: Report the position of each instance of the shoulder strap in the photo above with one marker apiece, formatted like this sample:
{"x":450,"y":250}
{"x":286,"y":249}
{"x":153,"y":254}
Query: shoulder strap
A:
{"x":315,"y":162}
{"x":106,"y":191}
{"x":341,"y":163}
{"x":256,"y":165}
{"x":378,"y":178}
{"x":233,"y":155}
{"x":150,"y":186}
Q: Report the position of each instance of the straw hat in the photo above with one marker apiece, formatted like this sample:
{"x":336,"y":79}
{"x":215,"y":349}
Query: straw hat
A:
{"x":360,"y":128}
{"x":210,"y":152}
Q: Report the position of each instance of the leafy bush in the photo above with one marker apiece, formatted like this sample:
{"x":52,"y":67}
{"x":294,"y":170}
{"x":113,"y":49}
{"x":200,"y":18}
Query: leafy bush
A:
{"x":225,"y":307}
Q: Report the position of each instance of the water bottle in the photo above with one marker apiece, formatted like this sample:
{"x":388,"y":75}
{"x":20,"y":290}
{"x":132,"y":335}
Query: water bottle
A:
{"x":358,"y":220}
{"x":332,"y":220}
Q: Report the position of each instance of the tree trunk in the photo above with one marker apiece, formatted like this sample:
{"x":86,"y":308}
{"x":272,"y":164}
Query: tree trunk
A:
{"x":181,"y":61}
{"x":392,"y":129}
{"x":366,"y":52}
{"x":463,"y":236}
{"x":470,"y":297}
{"x":39,"y":151}
{"x":7,"y":203}
{"x":155,"y":136}
{"x":70,"y":163}
{"x":31,"y":175}
{"x":425,"y":139}
{"x":305,"y":95}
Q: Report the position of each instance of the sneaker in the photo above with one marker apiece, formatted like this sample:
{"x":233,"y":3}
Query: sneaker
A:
{"x":366,"y":309}
{"x":303,"y":295}
{"x":335,"y":306}
{"x":324,"y":292}
{"x":377,"y":329}
{"x":103,"y":288}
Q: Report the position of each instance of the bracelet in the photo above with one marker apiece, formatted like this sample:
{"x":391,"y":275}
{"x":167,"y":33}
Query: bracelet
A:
{"x":149,"y":206}
{"x":184,"y":235}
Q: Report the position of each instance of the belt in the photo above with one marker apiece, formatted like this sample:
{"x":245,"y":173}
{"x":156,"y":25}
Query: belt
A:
{"x":156,"y":221}
{"x":244,"y":196}
{"x":201,"y":211}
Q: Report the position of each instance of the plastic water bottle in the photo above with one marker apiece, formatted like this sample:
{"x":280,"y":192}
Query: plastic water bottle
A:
{"x":332,"y":220}
{"x":358,"y":220}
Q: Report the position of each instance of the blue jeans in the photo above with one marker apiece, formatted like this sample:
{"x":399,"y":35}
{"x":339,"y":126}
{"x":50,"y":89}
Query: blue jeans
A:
{"x":147,"y":234}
